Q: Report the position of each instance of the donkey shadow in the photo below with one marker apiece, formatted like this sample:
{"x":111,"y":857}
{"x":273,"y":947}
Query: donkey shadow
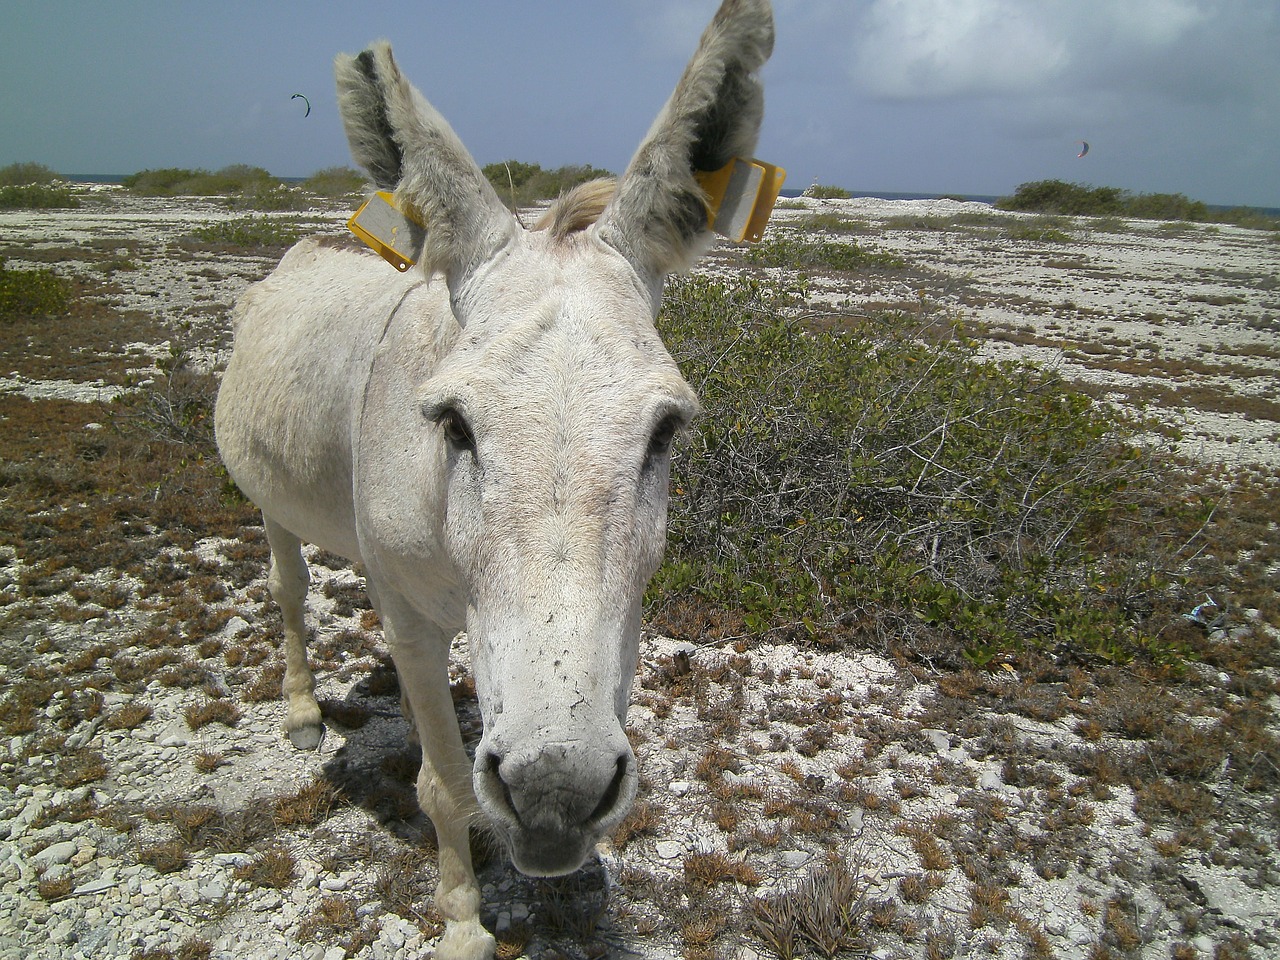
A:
{"x":376,"y":769}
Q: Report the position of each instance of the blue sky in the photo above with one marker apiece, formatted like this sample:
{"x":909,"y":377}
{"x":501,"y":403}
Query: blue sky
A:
{"x":931,"y":96}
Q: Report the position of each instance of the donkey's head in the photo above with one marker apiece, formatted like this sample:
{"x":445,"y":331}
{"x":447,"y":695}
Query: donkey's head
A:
{"x":555,"y":407}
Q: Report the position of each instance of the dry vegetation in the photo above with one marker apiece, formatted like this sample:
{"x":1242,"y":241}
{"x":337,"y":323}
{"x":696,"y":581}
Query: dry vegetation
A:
{"x":874,"y":771}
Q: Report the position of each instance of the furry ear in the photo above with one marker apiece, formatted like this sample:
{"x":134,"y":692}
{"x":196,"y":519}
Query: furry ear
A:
{"x":658,"y":217}
{"x":406,"y":146}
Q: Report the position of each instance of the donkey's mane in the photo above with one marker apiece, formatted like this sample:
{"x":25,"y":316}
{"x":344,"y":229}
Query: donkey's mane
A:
{"x":577,"y":209}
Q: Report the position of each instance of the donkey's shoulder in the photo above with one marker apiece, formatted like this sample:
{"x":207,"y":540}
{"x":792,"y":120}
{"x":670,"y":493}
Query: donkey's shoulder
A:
{"x":318,"y":267}
{"x":322,"y":249}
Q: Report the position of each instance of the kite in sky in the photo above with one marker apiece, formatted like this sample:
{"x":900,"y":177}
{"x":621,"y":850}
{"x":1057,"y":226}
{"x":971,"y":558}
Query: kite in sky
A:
{"x":1084,"y":148}
{"x":308,"y":113}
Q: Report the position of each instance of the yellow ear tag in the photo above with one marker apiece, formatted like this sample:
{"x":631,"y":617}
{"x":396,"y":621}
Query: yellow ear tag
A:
{"x":389,"y":229}
{"x":740,"y":197}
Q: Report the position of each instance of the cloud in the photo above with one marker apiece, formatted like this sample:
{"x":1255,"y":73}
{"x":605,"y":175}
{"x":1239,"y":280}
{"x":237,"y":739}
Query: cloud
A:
{"x":925,"y":50}
{"x":944,"y":49}
{"x":1173,"y":51}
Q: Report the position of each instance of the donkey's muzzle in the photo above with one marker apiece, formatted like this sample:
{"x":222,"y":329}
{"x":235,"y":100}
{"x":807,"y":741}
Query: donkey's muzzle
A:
{"x":553,"y":801}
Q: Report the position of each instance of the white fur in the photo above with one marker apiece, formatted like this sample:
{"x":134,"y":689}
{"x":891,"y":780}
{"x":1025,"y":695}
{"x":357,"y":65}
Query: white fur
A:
{"x":537,"y":524}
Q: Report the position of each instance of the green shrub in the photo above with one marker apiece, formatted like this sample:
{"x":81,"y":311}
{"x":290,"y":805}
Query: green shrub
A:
{"x":37,"y":196}
{"x":32,"y":293}
{"x":522,"y":184}
{"x":158,"y":183}
{"x":271,"y":197}
{"x":249,"y":232}
{"x":1039,"y":230}
{"x":1069,"y":199}
{"x":22,"y":174}
{"x":879,"y":479}
{"x":1249,"y":217}
{"x":832,"y":223}
{"x":1165,"y":206}
{"x":1073,"y":199}
{"x":335,"y":182}
{"x":176,"y":181}
{"x":820,"y":192}
{"x":794,"y":253}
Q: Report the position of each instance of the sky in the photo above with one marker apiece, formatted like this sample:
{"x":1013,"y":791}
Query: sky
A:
{"x":966,"y":97}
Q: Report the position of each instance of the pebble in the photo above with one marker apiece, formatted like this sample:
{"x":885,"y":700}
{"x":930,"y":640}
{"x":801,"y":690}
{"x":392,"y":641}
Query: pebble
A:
{"x":795,"y":859}
{"x":939,"y":738}
{"x":56,"y":853}
{"x":989,"y":779}
{"x":98,"y":885}
{"x":669,"y":849}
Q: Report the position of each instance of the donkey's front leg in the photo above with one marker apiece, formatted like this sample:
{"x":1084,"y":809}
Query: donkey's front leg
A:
{"x":421,"y":653}
{"x":288,"y":585}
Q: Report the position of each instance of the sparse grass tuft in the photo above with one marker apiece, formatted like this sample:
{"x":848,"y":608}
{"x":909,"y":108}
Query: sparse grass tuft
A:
{"x":400,"y":882}
{"x":274,"y":868}
{"x":826,"y":913}
{"x":309,"y":806}
{"x":335,"y":921}
{"x":129,"y":717}
{"x":211,"y":711}
{"x":55,"y":888}
{"x":207,"y":761}
{"x":709,"y":869}
{"x":78,"y":767}
{"x":169,"y":856}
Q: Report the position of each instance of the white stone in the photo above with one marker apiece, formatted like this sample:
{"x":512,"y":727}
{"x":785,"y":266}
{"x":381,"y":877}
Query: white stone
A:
{"x":669,"y":849}
{"x":990,"y":780}
{"x":56,"y":853}
{"x":794,"y":859}
{"x":941,"y":742}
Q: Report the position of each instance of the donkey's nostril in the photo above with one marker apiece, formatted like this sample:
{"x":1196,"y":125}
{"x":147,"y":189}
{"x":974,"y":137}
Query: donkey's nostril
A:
{"x":498,"y":792}
{"x":613,"y":792}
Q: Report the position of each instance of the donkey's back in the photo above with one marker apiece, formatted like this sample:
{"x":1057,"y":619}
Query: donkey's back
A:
{"x":289,"y":406}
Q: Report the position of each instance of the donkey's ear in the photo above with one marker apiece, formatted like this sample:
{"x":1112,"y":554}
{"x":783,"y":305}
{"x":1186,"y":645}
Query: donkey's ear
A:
{"x":658,"y":216}
{"x":406,"y":146}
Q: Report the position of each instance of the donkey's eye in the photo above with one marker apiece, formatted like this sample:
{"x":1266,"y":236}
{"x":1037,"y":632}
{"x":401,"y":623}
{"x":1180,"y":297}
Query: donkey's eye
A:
{"x":663,"y":434}
{"x":456,"y":430}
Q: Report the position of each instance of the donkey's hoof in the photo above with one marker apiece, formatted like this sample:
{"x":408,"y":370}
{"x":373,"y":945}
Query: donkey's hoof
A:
{"x":465,"y":940}
{"x":308,"y":737}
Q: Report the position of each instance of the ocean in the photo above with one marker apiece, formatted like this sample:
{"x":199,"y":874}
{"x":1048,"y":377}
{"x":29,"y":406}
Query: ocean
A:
{"x":879,"y":195}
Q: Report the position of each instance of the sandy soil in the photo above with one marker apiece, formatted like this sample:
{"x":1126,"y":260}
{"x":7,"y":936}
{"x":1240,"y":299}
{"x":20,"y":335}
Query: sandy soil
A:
{"x":983,"y":838}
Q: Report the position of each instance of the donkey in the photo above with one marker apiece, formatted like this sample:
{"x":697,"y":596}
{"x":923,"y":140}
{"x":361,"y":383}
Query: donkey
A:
{"x":490,"y":437}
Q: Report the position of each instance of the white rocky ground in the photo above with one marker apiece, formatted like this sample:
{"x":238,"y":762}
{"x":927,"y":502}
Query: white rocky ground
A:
{"x":1128,"y":305}
{"x":1076,"y":873}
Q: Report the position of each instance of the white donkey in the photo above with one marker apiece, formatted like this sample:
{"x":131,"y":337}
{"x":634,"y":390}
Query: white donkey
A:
{"x":490,"y":439}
